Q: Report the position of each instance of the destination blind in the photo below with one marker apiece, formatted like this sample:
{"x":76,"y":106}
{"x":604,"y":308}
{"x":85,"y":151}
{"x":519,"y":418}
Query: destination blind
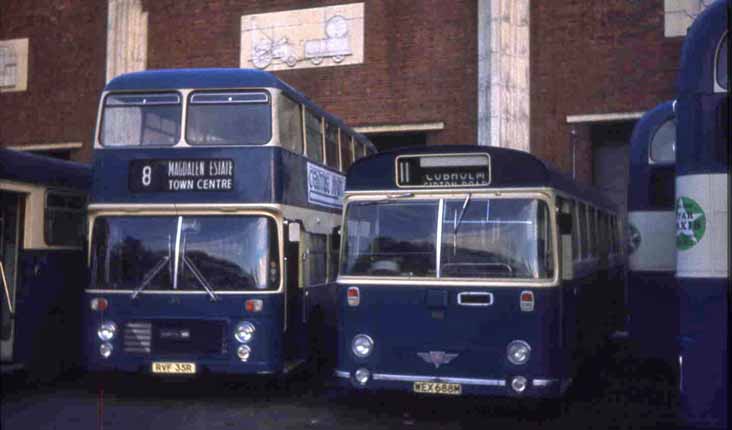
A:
{"x":181,"y":175}
{"x":448,"y":170}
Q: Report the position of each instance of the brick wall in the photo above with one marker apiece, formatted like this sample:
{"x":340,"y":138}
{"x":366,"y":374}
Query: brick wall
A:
{"x":419,"y":65}
{"x":594,"y":57}
{"x":65,"y":72}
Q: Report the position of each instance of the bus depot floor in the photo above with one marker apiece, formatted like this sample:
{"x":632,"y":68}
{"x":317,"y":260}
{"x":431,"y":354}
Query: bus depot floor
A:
{"x":612,"y":392}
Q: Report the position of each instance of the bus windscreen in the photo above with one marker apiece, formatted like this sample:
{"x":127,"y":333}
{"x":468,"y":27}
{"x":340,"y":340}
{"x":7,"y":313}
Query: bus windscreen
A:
{"x":219,"y":253}
{"x":478,"y":238}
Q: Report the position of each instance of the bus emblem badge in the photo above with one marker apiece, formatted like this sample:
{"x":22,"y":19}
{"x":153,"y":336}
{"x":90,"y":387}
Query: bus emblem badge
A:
{"x":437,"y":358}
{"x":690,"y":223}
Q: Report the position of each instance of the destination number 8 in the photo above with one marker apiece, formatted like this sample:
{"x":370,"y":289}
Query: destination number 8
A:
{"x":146,"y":175}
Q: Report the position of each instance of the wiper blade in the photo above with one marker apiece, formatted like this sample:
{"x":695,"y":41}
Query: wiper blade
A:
{"x":149,"y":276}
{"x":462,"y":211}
{"x":200,"y":278}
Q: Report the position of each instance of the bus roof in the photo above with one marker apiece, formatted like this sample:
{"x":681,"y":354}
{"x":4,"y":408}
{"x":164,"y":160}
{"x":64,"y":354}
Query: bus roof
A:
{"x":218,"y":78}
{"x":700,"y":45}
{"x":37,"y":169}
{"x":650,"y":186}
{"x":509,"y":169}
{"x":645,"y":129}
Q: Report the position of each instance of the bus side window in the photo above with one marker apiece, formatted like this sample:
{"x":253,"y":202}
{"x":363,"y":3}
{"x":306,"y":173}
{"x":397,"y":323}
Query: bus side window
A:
{"x":290,"y":124}
{"x":576,"y":246}
{"x":614,"y":234}
{"x":313,"y":255}
{"x":314,"y":137}
{"x":592,"y":213}
{"x":332,"y":257}
{"x":603,"y":230}
{"x":582,"y":221}
{"x":331,"y":146}
{"x":346,"y":150}
{"x":568,"y":242}
{"x":64,"y":219}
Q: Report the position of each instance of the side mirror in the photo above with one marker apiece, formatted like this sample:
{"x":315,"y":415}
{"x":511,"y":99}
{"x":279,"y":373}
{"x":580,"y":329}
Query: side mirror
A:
{"x":336,"y":235}
{"x":564,"y":222}
{"x":293,"y":231}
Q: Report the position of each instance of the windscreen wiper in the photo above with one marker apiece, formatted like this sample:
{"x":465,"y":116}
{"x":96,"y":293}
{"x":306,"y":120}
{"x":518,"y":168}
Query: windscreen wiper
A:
{"x":152,"y":273}
{"x":462,"y":211}
{"x":200,"y":278}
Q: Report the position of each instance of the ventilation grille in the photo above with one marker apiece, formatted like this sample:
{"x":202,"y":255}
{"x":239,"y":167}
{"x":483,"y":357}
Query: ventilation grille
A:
{"x":137,"y":337}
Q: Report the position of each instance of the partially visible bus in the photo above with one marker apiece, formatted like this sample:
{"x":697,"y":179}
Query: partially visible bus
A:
{"x":702,"y":218}
{"x":42,"y":270}
{"x":213,"y":220}
{"x":653,"y":301}
{"x":472,"y":270}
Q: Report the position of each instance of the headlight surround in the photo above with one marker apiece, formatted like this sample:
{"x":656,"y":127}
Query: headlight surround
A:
{"x":243,"y":352}
{"x":362,"y":345}
{"x":518,"y":352}
{"x":107,"y":330}
{"x":105,"y":349}
{"x":244,"y":332}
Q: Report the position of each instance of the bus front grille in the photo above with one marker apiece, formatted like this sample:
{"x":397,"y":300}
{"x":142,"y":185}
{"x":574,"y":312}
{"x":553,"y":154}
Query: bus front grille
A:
{"x":137,"y":337}
{"x":185,"y":337}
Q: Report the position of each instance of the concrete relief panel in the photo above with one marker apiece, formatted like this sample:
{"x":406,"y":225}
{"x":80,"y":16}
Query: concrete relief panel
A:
{"x":680,"y":14}
{"x":13,"y":65}
{"x":297,"y":39}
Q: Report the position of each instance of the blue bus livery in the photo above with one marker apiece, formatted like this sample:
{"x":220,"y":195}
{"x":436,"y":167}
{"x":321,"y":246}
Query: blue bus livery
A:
{"x":216,"y":196}
{"x":42,"y":270}
{"x":472,"y":270}
{"x":653,"y":302}
{"x":702,"y":218}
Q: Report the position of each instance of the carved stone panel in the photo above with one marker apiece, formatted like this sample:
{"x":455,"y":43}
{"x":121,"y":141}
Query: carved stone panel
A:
{"x":13,"y":65}
{"x":296,"y":39}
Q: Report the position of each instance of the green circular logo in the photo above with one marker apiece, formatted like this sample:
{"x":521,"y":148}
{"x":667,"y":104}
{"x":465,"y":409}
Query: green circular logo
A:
{"x":691,"y":223}
{"x":634,"y":238}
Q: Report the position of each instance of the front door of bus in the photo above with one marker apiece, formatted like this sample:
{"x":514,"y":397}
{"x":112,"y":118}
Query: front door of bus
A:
{"x":10,"y":222}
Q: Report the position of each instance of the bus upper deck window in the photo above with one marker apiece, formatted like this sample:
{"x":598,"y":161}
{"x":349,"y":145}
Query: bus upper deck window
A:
{"x":331,"y":145}
{"x":141,"y":119}
{"x":663,"y":143}
{"x":346,"y":151}
{"x":313,"y":137}
{"x":289,"y":120}
{"x":229,"y":118}
{"x":722,"y":69}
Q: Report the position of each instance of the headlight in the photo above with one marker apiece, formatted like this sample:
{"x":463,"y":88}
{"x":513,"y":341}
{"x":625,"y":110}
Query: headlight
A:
{"x":243,"y":352}
{"x":105,"y":349}
{"x":362,"y":345}
{"x":244,"y":332}
{"x":362,"y":376}
{"x":518,"y":352}
{"x":107,"y":330}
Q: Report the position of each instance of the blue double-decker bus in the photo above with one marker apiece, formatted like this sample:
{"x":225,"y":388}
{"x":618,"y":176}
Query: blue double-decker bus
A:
{"x":42,"y":270}
{"x":213,"y":217}
{"x":653,"y":301}
{"x":702,"y":218}
{"x":472,"y":270}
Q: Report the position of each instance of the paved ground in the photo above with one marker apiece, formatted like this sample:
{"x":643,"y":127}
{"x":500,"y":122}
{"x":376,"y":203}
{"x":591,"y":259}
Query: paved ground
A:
{"x":613,"y":392}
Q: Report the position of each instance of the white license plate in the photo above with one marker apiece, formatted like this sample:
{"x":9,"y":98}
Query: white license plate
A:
{"x":438,"y":388}
{"x":169,"y":367}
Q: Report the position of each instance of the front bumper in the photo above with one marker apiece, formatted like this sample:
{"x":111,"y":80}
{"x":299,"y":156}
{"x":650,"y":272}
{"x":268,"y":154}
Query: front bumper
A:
{"x":499,"y":387}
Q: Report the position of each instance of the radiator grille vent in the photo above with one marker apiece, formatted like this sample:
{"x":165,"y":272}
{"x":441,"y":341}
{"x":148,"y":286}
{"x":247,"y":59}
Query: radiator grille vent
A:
{"x":137,"y":337}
